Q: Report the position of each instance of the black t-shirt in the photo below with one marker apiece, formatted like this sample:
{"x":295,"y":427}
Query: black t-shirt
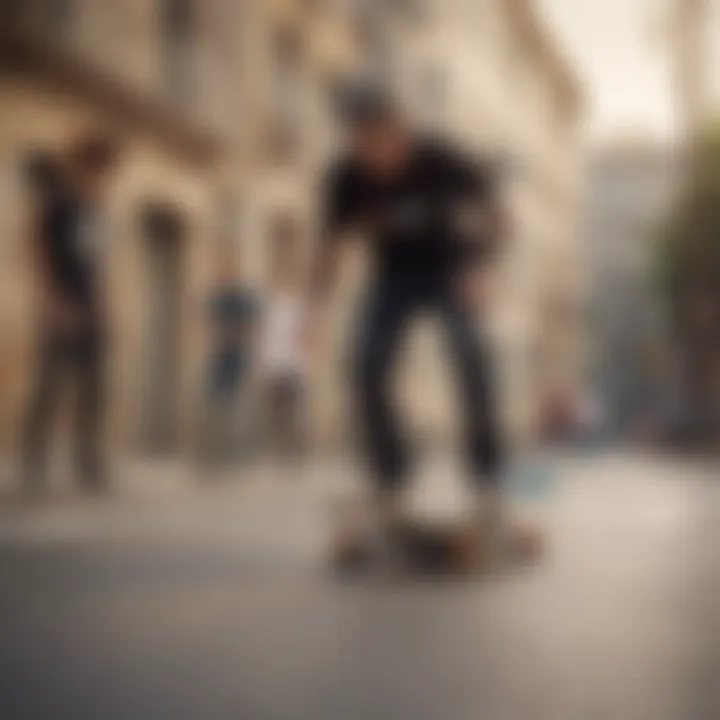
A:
{"x":70,"y":243}
{"x":415,"y":219}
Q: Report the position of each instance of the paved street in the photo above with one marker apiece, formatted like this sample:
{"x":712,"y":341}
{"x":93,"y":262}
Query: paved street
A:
{"x":173,"y":601}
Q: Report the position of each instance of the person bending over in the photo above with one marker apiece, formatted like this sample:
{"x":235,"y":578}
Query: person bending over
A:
{"x":431,"y":217}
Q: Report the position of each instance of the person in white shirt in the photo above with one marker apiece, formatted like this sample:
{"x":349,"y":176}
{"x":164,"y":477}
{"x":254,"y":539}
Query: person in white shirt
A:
{"x":283,"y":351}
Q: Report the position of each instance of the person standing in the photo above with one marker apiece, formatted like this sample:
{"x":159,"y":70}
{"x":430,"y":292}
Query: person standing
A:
{"x":283,"y":350}
{"x":70,"y":243}
{"x":432,"y":219}
{"x":232,"y":317}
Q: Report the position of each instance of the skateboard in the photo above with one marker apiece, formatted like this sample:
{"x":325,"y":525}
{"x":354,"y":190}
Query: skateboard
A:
{"x":438,"y":549}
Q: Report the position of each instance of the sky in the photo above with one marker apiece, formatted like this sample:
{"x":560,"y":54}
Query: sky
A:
{"x":622,"y":58}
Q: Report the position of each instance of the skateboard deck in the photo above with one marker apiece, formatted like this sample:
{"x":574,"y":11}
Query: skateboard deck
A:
{"x":423,"y":548}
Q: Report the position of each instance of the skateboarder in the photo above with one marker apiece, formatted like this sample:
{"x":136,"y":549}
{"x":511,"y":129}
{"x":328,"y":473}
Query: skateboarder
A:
{"x":430,"y":215}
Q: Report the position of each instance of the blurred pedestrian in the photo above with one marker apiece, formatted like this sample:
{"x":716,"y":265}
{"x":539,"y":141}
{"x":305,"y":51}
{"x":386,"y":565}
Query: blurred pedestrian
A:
{"x":283,"y":352}
{"x":70,"y":243}
{"x":232,"y":317}
{"x":431,"y":216}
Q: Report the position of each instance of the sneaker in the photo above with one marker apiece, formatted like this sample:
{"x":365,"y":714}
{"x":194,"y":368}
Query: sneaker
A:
{"x":502,"y":535}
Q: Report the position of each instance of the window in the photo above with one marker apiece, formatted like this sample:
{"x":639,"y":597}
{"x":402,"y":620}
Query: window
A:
{"x":287,"y":94}
{"x":178,"y":33}
{"x":48,"y":17}
{"x":410,"y":10}
{"x":11,"y":11}
{"x":56,"y":16}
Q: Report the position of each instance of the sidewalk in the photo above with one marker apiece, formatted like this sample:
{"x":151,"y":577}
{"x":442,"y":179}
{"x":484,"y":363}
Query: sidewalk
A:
{"x":184,"y":601}
{"x":249,"y":504}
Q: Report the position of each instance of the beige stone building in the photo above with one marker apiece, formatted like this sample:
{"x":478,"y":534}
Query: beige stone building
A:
{"x":695,"y":50}
{"x":220,"y":108}
{"x":223,"y":108}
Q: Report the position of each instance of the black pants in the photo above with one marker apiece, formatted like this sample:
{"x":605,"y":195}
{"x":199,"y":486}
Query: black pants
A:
{"x":387,"y":312}
{"x":67,"y":361}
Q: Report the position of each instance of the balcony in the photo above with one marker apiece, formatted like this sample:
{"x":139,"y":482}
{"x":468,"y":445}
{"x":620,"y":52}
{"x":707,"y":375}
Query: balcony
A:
{"x":39,"y":43}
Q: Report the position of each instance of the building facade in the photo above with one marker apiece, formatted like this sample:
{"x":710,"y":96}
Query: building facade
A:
{"x":632,"y":183}
{"x":223,"y":107}
{"x":696,"y":61}
{"x":203,"y":96}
